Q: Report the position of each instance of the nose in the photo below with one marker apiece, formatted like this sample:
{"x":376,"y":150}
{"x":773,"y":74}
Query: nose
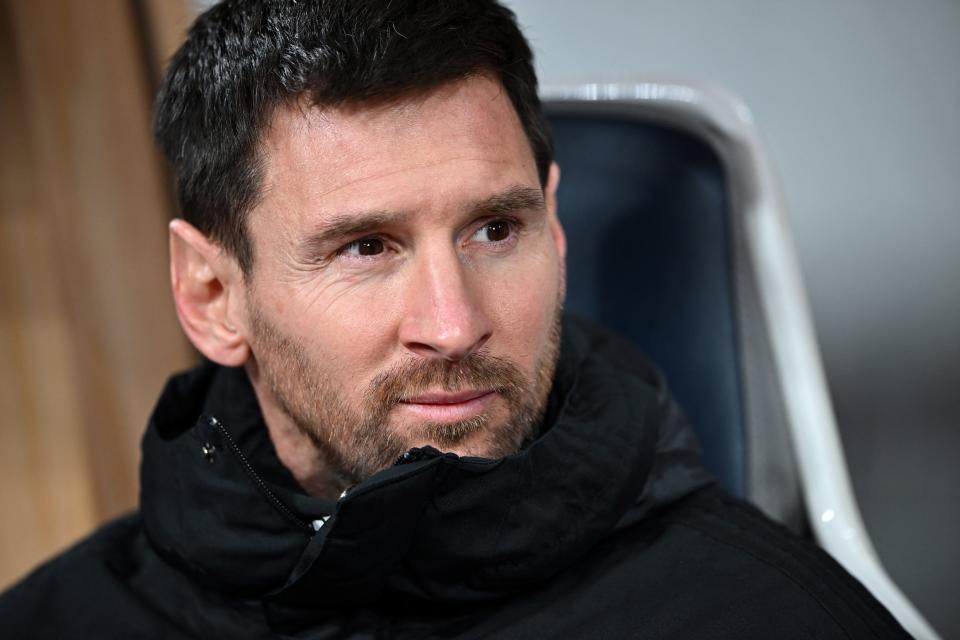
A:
{"x":444,"y":315}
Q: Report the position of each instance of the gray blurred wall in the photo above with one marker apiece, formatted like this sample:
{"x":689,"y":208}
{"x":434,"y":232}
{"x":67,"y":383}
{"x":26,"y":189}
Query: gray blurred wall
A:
{"x":859,"y":103}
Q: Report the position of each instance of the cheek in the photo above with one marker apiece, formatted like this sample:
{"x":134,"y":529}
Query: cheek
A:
{"x":348,"y":331}
{"x":522,"y":303}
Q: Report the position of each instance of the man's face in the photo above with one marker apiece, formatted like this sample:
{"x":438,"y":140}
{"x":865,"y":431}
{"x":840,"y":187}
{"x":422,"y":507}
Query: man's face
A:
{"x":408,"y":278}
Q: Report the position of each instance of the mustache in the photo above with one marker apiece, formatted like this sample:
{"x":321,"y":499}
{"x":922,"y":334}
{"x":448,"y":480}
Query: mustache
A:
{"x":478,"y":370}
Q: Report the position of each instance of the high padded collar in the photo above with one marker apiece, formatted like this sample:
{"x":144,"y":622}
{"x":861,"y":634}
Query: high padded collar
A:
{"x":217,"y":502}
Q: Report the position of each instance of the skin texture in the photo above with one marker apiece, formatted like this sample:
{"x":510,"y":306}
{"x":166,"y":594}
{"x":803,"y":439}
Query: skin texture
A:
{"x":435,"y":321}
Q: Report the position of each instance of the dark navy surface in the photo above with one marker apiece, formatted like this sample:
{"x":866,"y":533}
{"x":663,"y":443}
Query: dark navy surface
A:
{"x":647,"y":215}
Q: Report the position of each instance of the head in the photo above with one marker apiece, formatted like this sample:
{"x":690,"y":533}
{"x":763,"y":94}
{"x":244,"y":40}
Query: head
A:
{"x":369,"y":224}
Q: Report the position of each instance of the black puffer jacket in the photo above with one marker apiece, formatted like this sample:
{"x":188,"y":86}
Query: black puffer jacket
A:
{"x":605,"y":527}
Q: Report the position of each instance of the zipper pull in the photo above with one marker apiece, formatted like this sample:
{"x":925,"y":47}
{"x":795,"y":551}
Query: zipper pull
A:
{"x":417,"y":454}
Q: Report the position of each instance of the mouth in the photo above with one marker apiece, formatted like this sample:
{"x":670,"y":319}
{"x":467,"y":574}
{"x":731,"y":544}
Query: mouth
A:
{"x":444,"y":406}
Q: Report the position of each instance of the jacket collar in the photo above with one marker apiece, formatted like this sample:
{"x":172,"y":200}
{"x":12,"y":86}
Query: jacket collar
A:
{"x":217,"y":502}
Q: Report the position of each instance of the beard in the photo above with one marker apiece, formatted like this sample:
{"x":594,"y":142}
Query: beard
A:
{"x":357,"y":441}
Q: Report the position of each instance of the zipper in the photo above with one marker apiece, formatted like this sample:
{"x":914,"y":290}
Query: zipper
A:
{"x":257,"y":480}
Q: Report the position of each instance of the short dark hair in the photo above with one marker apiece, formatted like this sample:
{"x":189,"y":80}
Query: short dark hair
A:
{"x":244,"y":58}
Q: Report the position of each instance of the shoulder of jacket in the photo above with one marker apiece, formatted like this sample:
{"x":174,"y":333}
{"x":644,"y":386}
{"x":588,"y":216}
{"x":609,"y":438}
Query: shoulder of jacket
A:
{"x":780,"y":571}
{"x":83,"y":576}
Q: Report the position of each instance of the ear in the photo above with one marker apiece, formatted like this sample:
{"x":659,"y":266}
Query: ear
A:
{"x":550,"y":195}
{"x":208,"y":293}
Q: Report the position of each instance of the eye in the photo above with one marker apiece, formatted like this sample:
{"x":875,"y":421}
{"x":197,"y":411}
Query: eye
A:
{"x":364,"y":247}
{"x":495,"y":231}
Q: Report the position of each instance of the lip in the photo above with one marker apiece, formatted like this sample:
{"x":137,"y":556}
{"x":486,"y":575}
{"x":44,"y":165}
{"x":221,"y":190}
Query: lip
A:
{"x":444,"y":406}
{"x":447,"y":397}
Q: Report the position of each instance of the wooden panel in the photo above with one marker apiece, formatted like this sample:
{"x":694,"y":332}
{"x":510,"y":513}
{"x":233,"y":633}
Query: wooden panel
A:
{"x":88,"y":328}
{"x":45,"y":493}
{"x":164,"y":26}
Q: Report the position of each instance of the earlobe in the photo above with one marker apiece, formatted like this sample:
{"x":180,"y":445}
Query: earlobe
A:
{"x":550,"y":194}
{"x":204,"y":279}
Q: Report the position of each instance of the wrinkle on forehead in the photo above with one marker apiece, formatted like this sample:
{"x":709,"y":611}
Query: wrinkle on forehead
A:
{"x":390,"y":172}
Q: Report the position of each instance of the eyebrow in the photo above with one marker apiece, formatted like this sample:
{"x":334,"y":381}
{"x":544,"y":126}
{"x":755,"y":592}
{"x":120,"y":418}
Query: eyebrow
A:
{"x":348,"y":225}
{"x":341,"y":226}
{"x":514,"y":199}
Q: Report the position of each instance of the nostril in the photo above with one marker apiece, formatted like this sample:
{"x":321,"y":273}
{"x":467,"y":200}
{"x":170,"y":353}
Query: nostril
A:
{"x":448,"y":348}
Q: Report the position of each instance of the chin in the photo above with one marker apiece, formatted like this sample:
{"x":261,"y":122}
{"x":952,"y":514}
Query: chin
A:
{"x":476,"y":442}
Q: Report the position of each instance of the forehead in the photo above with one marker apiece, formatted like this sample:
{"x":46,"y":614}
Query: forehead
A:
{"x":464,"y":134}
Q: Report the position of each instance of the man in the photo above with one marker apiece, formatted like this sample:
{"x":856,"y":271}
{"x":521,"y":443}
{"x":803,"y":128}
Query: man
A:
{"x":396,"y":434}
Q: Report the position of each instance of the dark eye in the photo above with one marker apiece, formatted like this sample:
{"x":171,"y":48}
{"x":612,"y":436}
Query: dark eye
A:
{"x":370,"y":247}
{"x":364,"y":247}
{"x":496,"y":231}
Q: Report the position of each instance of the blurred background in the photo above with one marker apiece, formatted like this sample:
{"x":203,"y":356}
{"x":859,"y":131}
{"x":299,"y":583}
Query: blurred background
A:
{"x":859,"y":104}
{"x":87,"y":328}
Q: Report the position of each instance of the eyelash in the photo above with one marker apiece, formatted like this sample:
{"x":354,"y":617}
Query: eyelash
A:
{"x":513,"y":227}
{"x":513,"y":224}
